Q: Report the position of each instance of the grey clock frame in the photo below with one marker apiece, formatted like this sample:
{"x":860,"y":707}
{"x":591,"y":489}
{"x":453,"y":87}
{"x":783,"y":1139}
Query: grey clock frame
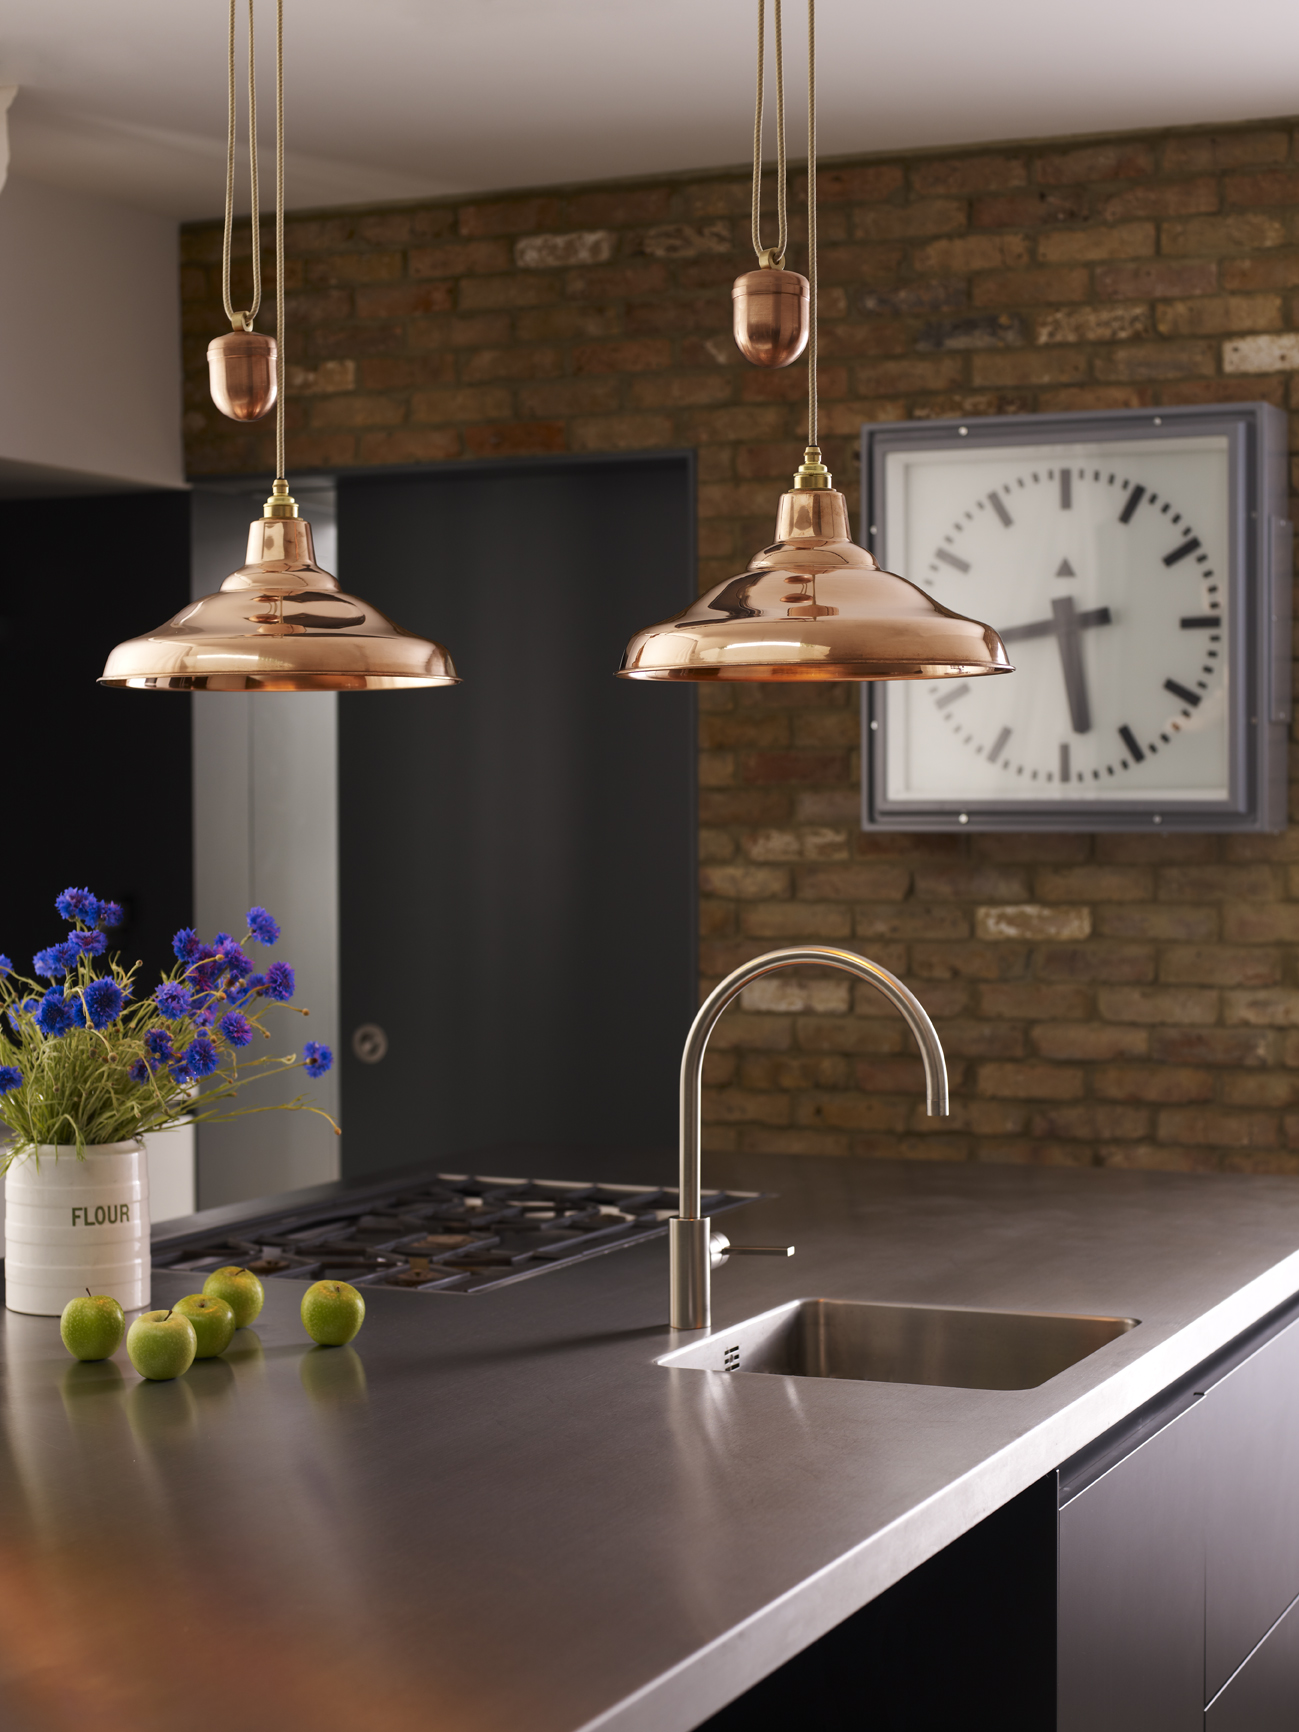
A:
{"x":1259,"y":587}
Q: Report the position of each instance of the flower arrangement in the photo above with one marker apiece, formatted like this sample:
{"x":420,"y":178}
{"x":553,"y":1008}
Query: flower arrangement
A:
{"x":84,"y":1061}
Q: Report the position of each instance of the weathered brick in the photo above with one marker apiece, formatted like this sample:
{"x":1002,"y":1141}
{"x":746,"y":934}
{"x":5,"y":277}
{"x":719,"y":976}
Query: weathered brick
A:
{"x":1093,"y":325}
{"x":1033,"y":921}
{"x":1029,"y":1081}
{"x":1167,"y":360}
{"x":411,"y":445}
{"x":1127,"y":161}
{"x":1158,"y":1082}
{"x":973,"y":882}
{"x":1275,"y":1007}
{"x":1035,"y":1000}
{"x":1162,"y":277}
{"x":1031,"y":367}
{"x":1094,"y":884}
{"x":966,"y":174}
{"x":788,"y":920}
{"x":1193,"y":153}
{"x":1218,"y":1046}
{"x":1109,"y":962}
{"x":952,"y":961}
{"x":853,"y":883}
{"x":1244,"y":232}
{"x":1260,"y":923}
{"x":1263,"y":354}
{"x":1032,"y":209}
{"x":1162,"y":199}
{"x":1135,"y":920}
{"x":1033,"y":287}
{"x":1214,"y":314}
{"x":515,"y":438}
{"x":1218,"y":1125}
{"x":1180,"y":1004}
{"x":1220,"y":965}
{"x":1089,"y":1040}
{"x":1123,"y":241}
{"x":1217,"y":883}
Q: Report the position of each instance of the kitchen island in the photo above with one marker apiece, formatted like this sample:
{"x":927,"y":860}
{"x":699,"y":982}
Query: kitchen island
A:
{"x":496,"y":1511}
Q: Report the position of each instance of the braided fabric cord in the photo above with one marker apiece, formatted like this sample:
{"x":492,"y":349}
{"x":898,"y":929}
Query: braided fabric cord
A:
{"x":279,"y":238}
{"x":782,"y":222}
{"x":811,"y":222}
{"x":241,"y":320}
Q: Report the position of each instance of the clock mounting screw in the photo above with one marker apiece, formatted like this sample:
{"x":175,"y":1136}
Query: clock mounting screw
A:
{"x":1159,"y":420}
{"x":965,"y":818}
{"x":874,"y":727}
{"x":963,"y":431}
{"x":1156,"y":819}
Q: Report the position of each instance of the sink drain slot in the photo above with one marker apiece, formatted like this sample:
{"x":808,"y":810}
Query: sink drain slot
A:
{"x":731,"y":1359}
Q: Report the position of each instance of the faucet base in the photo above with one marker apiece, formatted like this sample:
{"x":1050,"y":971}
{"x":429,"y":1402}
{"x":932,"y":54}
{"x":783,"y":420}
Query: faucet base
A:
{"x":690,"y":1273}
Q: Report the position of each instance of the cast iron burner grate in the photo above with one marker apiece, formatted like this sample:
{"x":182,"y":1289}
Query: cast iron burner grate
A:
{"x":451,"y":1233}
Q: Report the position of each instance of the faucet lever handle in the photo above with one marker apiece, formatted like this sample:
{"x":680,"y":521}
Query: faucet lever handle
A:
{"x":720,"y":1248}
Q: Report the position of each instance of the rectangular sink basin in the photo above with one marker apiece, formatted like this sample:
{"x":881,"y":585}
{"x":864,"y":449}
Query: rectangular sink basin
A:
{"x":902,"y":1344}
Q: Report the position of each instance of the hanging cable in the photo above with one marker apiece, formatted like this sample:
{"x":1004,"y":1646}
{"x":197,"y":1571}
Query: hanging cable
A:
{"x":811,"y":225}
{"x":279,"y":241}
{"x":241,"y":321}
{"x":770,"y":255}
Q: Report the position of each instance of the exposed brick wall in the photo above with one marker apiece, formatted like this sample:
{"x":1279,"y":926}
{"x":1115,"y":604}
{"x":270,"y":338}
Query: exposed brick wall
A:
{"x":1129,"y":1000}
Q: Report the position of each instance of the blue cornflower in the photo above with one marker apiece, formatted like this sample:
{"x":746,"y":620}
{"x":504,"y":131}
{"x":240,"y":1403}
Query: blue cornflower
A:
{"x":173,"y":999}
{"x":78,"y":905}
{"x":89,"y":943}
{"x":264,"y":928}
{"x":185,"y":944}
{"x":55,"y":962}
{"x":181,"y":1072}
{"x":279,"y":982}
{"x":201,"y":1055}
{"x":104,"y":1001}
{"x":10,"y":1078}
{"x":6,"y":967}
{"x":111,"y":914}
{"x":139,"y":1072}
{"x":236,"y":1028}
{"x":157,"y":1043}
{"x":54,"y":1015}
{"x":28,"y":1004}
{"x":205,"y":1015}
{"x":77,"y":1011}
{"x":316,"y":1058}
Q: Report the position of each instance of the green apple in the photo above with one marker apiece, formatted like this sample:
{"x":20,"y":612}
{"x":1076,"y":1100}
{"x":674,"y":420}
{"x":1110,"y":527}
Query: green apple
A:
{"x":213,"y":1320}
{"x":93,"y":1327}
{"x":162,"y":1345}
{"x":240,"y":1289}
{"x":332,"y":1312}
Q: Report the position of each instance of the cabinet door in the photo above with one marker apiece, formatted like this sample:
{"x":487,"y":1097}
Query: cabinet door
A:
{"x":1131,"y":1591}
{"x":1251,"y":1503}
{"x":1264,"y":1694}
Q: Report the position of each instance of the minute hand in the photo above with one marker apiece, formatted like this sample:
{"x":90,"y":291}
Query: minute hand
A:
{"x":1065,"y":626}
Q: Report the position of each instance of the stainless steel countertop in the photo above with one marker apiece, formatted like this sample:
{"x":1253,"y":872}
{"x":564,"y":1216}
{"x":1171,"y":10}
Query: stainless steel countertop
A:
{"x":497,"y":1512}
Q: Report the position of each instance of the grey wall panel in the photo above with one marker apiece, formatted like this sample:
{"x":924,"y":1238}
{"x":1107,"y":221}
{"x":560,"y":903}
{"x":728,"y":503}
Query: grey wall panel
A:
{"x":266,"y":831}
{"x":1131,"y":1591}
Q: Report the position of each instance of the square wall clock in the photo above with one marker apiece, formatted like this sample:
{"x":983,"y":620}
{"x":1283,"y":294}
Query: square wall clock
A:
{"x":1138,"y":567}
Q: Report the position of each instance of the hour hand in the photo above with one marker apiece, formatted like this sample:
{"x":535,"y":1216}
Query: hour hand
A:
{"x":1066,"y":626}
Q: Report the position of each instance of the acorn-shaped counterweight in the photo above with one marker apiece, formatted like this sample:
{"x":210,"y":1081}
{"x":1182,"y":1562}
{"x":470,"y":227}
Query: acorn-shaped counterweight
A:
{"x":769,"y":309}
{"x":241,"y":372}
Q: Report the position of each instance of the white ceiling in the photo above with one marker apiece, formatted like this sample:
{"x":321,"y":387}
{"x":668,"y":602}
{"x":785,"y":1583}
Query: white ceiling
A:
{"x":392,"y":99}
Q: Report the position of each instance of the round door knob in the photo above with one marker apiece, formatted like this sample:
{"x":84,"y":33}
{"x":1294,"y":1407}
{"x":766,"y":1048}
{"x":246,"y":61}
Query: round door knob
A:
{"x":369,"y":1043}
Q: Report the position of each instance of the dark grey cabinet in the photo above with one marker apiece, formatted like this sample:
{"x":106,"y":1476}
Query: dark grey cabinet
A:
{"x":1130,"y":1590}
{"x":1179,"y":1555}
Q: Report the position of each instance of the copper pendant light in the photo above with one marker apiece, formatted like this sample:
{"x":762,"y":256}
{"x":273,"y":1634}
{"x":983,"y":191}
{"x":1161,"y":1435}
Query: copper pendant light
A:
{"x":241,"y":364}
{"x":279,"y":623}
{"x":814,"y":605}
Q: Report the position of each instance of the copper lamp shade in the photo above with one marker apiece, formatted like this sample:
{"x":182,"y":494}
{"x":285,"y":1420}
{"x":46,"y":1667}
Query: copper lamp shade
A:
{"x":814,"y":606}
{"x":279,"y":624}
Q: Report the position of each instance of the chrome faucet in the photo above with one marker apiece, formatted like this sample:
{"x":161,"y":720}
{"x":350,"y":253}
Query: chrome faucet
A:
{"x":695,"y":1251}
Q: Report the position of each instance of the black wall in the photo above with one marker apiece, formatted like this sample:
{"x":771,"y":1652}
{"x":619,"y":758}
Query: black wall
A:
{"x":517,"y":853}
{"x":96,"y":783}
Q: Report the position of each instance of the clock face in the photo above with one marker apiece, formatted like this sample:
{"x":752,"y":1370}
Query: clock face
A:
{"x":1104,"y":566}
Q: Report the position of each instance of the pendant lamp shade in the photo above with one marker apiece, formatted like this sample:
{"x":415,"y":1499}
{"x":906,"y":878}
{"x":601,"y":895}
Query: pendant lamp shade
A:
{"x":279,"y":624}
{"x":815,"y":606}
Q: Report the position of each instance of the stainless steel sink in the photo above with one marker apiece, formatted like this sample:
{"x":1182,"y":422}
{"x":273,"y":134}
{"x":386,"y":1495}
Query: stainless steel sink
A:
{"x":902,"y":1344}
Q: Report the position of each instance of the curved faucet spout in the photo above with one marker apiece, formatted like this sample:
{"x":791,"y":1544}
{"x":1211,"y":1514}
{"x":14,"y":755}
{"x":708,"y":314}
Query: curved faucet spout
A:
{"x":688,"y":1232}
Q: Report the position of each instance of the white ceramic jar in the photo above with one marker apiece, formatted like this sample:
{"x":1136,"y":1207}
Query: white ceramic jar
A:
{"x":72,"y":1224}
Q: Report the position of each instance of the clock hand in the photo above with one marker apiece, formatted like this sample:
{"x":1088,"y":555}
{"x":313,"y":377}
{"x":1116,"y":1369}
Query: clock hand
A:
{"x":1068,"y":636}
{"x":1065,"y":625}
